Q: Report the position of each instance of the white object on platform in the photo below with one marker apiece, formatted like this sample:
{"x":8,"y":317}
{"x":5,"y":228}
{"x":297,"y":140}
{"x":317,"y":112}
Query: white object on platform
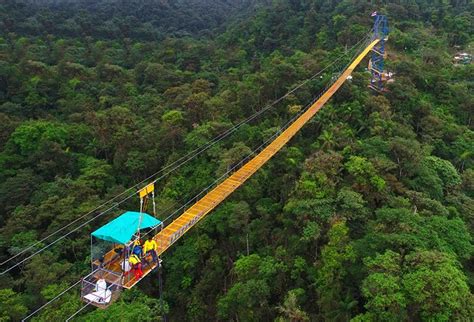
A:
{"x":125,"y":266}
{"x":101,"y":295}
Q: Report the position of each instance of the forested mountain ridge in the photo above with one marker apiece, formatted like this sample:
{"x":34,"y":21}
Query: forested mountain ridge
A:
{"x":112,"y":19}
{"x":367,"y":214}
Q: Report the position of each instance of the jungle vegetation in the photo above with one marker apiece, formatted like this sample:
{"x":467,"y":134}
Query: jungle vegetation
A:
{"x":368,"y":214}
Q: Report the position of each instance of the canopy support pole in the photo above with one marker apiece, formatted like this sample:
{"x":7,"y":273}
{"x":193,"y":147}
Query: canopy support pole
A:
{"x":92,"y":260}
{"x":140,"y":218}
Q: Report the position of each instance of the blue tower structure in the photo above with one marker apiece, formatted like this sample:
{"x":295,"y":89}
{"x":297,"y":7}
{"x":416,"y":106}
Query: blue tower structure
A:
{"x":376,"y":64}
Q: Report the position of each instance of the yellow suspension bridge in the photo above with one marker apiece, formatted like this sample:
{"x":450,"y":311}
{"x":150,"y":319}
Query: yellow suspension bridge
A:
{"x":176,"y":229}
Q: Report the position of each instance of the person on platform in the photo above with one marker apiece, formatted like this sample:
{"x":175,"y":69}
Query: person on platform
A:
{"x":137,"y":248}
{"x":136,"y":264}
{"x":151,"y":248}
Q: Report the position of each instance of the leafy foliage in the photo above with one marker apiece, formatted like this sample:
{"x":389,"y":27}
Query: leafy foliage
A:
{"x":366,"y":214}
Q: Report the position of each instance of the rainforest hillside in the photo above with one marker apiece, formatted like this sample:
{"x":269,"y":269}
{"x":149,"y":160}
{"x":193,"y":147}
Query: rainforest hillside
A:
{"x":366,"y":215}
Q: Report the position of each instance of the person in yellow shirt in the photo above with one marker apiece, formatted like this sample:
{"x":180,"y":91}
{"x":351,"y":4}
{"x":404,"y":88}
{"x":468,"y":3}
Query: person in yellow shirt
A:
{"x":136,"y":264}
{"x":151,"y":248}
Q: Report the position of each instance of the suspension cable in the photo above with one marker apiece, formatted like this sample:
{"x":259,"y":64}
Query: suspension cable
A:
{"x":260,"y":146}
{"x":51,"y":301}
{"x":77,"y":312}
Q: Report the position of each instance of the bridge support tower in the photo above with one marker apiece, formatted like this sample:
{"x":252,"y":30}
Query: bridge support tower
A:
{"x":376,"y":64}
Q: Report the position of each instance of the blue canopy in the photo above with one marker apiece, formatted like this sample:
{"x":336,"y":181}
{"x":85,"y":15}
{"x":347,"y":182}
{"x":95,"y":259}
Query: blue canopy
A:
{"x":121,"y":229}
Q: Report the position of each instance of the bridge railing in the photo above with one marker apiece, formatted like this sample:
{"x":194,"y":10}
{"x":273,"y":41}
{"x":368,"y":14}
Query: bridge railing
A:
{"x":173,"y":238}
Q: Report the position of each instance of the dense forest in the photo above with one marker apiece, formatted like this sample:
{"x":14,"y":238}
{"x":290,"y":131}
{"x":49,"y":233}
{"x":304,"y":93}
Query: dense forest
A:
{"x":366,"y":215}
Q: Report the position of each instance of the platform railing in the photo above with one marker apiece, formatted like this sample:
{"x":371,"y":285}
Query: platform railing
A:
{"x":102,"y":298}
